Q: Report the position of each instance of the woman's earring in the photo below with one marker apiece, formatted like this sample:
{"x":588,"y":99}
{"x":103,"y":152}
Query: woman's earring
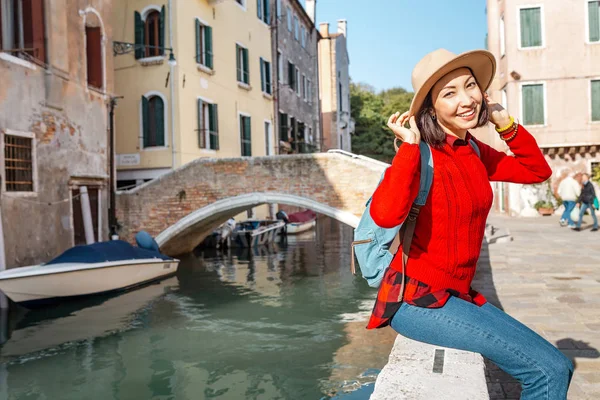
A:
{"x":433,"y":117}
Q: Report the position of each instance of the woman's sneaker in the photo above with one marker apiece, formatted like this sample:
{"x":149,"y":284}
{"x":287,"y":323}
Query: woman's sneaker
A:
{"x":563,"y":222}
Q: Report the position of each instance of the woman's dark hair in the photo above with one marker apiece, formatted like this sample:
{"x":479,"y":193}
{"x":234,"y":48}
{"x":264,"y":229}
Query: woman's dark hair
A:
{"x":431,"y":132}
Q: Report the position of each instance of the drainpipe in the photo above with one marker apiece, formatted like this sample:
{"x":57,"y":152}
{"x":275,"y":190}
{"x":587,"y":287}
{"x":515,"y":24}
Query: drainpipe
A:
{"x":172,"y":84}
{"x":3,"y":299}
{"x":86,"y":212}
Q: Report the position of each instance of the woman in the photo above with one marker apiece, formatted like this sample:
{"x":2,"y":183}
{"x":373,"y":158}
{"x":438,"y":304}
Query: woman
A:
{"x":439,"y":307}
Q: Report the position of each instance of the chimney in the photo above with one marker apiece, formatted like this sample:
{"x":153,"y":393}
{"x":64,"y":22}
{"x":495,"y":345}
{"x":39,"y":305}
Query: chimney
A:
{"x":343,"y":27}
{"x":324,"y":29}
{"x":311,"y":9}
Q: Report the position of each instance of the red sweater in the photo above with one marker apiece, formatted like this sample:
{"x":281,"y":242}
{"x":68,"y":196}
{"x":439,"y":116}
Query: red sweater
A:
{"x":451,"y":224}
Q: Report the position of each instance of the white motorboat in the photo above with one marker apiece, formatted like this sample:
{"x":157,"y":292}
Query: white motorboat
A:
{"x":256,"y":233}
{"x":85,"y":270}
{"x":300,"y":222}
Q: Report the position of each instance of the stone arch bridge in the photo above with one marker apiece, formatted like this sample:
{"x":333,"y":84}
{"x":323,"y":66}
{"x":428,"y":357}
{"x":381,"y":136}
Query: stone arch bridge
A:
{"x":183,"y":206}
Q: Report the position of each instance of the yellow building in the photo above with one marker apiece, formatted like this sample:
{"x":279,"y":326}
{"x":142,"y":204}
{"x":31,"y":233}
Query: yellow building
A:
{"x":215,"y":101}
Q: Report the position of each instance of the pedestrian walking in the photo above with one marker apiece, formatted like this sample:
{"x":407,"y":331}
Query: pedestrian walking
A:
{"x":569,"y":190}
{"x":586,"y":201}
{"x":436,"y":304}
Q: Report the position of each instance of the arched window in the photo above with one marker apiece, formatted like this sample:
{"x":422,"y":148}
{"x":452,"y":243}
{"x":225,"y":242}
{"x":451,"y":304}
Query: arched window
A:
{"x":153,"y":121}
{"x":94,"y":50}
{"x":150,"y":32}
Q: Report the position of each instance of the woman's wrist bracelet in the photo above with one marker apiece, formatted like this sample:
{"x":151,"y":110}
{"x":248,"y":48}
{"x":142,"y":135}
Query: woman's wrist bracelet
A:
{"x":507,"y":127}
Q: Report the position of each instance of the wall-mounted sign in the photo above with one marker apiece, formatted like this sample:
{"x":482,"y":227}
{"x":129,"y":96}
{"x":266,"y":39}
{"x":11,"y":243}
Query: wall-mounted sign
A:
{"x":128,"y":159}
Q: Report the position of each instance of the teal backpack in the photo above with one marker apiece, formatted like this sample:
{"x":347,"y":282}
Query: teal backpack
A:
{"x":374,"y":246}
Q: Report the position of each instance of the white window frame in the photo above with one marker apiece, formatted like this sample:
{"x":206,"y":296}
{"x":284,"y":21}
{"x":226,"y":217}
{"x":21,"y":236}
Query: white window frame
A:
{"x":27,"y":135}
{"x":296,"y":28}
{"x":543,"y":26}
{"x":242,"y":83}
{"x":166,"y":122}
{"x":269,"y":137}
{"x":303,"y":36}
{"x":502,"y":37}
{"x":206,"y":117}
{"x":590,"y":100}
{"x":102,"y":43}
{"x":289,"y":17}
{"x":543,"y":83}
{"x":239,"y":131}
{"x":243,"y":6}
{"x":263,"y":73}
{"x":297,"y":79}
{"x":587,"y":23}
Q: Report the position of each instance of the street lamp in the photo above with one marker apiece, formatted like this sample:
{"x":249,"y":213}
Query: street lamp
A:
{"x":120,"y":48}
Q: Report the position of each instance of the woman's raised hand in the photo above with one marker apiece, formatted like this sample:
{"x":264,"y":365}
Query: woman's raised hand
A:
{"x":406,"y":135}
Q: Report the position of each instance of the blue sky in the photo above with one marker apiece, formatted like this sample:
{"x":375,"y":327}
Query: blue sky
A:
{"x":387,"y":38}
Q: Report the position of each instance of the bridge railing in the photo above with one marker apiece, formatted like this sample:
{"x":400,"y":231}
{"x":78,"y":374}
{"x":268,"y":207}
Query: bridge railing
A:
{"x":359,"y":157}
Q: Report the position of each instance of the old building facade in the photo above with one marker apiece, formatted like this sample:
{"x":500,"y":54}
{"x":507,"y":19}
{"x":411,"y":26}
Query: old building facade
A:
{"x":56,"y":83}
{"x":334,"y":74}
{"x":295,"y":51}
{"x":548,"y":54}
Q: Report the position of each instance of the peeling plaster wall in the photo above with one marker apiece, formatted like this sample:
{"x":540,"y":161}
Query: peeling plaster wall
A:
{"x":70,"y":127}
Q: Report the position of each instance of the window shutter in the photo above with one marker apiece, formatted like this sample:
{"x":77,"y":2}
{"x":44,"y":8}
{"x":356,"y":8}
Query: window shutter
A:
{"x":159,"y":111}
{"x":245,"y":66}
{"x":198,"y":42}
{"x":208,"y":47}
{"x":263,"y":85}
{"x":248,"y":136}
{"x":139,"y":35}
{"x":34,"y":28}
{"x":161,"y":31}
{"x":594,"y":20}
{"x":268,"y":77}
{"x":93,"y":38}
{"x":201,"y":130}
{"x":531,"y":27}
{"x":291,"y":75}
{"x":259,"y":9}
{"x":238,"y":63}
{"x":533,"y":104}
{"x":267,"y":12}
{"x":283,"y":127}
{"x":145,"y":121}
{"x":595,"y":100}
{"x":214,"y":126}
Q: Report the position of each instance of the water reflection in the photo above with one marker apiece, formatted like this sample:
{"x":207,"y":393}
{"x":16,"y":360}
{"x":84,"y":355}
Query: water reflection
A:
{"x":285,"y":322}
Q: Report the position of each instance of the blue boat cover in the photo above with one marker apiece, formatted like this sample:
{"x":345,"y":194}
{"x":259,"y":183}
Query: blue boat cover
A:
{"x":114,"y":250}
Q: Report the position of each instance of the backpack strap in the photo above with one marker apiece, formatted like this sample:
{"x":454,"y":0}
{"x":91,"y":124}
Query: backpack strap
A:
{"x":475,"y":147}
{"x":406,"y":233}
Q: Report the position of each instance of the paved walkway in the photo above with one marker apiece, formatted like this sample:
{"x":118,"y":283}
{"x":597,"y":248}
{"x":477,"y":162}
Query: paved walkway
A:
{"x":548,"y":277}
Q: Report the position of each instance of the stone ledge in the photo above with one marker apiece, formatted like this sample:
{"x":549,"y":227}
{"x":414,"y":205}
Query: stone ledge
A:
{"x":409,"y":374}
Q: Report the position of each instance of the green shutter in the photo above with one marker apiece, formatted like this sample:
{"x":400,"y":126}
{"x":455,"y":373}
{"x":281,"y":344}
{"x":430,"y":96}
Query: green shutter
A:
{"x":214,"y":126}
{"x":595,"y":100}
{"x":531,"y":27}
{"x":594,"y":20}
{"x":160,"y":121}
{"x":198,"y":39}
{"x":268,"y":77}
{"x":533,"y":104}
{"x":248,"y":136}
{"x":238,"y":63}
{"x":139,"y":35}
{"x":246,"y":70}
{"x":208,"y":47}
{"x":161,"y":31}
{"x":267,"y":12}
{"x":263,"y":85}
{"x":259,"y":9}
{"x":291,"y":75}
{"x":283,"y":127}
{"x":201,"y":131}
{"x":145,"y":122}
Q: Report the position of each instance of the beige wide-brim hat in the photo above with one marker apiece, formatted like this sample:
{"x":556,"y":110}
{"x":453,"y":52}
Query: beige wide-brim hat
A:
{"x":435,"y":65}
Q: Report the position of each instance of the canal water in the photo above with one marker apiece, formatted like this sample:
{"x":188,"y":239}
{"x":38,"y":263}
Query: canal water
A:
{"x":286,"y":322}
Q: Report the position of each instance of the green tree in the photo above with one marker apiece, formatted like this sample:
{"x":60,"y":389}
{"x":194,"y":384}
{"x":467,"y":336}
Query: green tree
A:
{"x":371,"y":111}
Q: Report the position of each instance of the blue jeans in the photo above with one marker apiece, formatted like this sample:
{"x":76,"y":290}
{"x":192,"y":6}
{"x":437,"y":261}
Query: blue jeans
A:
{"x":569,"y":206}
{"x":544,"y":372}
{"x":585,"y":206}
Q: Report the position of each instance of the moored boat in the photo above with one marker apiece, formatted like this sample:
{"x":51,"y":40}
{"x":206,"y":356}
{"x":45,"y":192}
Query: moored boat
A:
{"x":301,"y":222}
{"x":256,"y":232}
{"x":85,"y":270}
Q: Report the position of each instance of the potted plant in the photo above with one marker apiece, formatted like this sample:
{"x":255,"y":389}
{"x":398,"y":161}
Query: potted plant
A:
{"x":544,"y":207}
